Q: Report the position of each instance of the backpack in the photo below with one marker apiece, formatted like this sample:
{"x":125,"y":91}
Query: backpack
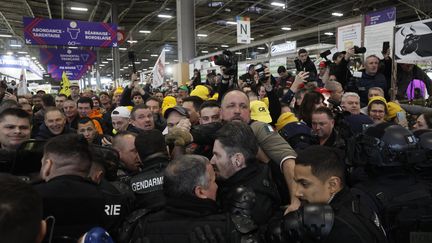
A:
{"x":403,"y":204}
{"x":416,"y":90}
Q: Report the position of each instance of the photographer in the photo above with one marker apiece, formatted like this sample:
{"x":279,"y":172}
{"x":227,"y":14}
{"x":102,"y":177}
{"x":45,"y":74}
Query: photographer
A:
{"x":247,"y":78}
{"x":340,"y":67}
{"x":305,"y":64}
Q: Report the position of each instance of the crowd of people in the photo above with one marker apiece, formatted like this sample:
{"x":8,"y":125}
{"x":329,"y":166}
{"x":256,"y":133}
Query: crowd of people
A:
{"x":311,"y":157}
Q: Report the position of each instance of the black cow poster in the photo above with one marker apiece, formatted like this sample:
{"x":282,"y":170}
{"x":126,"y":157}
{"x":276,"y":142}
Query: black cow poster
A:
{"x":413,"y":42}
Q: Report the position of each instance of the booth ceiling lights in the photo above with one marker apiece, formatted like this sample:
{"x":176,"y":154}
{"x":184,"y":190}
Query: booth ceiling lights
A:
{"x":278,"y":4}
{"x":202,"y":35}
{"x":337,"y":14}
{"x":165,"y":16}
{"x":145,"y":31}
{"x":231,"y":23}
{"x":328,"y":33}
{"x":286,"y":28}
{"x":79,"y":9}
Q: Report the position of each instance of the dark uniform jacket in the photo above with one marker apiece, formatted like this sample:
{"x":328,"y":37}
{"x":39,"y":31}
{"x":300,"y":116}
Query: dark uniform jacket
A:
{"x":353,"y":222}
{"x":147,"y":184}
{"x":255,"y":176}
{"x":179,"y":221}
{"x":79,"y":204}
{"x":366,"y":82}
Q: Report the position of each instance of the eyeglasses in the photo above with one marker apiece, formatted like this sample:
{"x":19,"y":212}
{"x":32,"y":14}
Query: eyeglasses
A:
{"x":377,"y":111}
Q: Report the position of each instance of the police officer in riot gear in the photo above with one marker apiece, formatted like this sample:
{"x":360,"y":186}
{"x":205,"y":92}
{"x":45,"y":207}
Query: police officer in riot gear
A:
{"x":319,"y":174}
{"x":76,"y":202}
{"x":191,"y":213}
{"x":397,"y":182}
{"x":148,"y":183}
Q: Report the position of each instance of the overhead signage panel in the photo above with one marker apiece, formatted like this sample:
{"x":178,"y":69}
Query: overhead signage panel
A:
{"x":67,"y":56}
{"x":40,"y":31}
{"x":73,"y":72}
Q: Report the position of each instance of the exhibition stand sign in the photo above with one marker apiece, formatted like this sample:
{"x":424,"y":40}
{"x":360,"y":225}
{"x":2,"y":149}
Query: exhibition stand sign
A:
{"x":378,"y":29}
{"x":41,"y":31}
{"x":413,"y":42}
{"x":73,"y":72}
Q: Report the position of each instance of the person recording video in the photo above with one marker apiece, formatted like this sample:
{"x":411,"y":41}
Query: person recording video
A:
{"x":304,"y":63}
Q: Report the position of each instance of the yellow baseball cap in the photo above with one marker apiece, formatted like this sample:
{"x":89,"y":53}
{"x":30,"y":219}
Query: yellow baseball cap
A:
{"x":201,"y":91}
{"x":260,"y":112}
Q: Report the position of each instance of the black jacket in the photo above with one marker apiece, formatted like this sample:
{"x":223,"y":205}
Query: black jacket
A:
{"x":179,"y":221}
{"x":354,"y":222}
{"x":45,"y":134}
{"x":79,"y":204}
{"x":256,"y":177}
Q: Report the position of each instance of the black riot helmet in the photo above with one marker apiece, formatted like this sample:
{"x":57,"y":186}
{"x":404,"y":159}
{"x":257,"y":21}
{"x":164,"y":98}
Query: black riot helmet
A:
{"x":397,"y":145}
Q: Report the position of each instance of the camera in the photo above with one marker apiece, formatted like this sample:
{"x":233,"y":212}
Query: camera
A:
{"x":228,"y":60}
{"x":259,"y":69}
{"x":359,"y":50}
{"x":325,"y":54}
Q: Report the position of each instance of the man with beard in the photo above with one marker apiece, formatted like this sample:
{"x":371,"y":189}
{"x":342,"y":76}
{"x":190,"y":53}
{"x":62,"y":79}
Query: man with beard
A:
{"x":234,"y":159}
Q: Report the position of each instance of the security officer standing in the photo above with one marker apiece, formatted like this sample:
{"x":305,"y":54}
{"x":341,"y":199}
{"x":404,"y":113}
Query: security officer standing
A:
{"x":319,"y":173}
{"x":234,"y":159}
{"x":191,"y":213}
{"x":77,"y":203}
{"x":148,"y":183}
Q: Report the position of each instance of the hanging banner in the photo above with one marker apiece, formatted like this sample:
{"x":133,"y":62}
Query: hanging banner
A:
{"x":40,"y":31}
{"x":73,"y":72}
{"x":413,"y":42}
{"x":159,"y":71}
{"x":243,"y":30}
{"x":67,"y":56}
{"x":349,"y":36}
{"x":284,"y":48}
{"x":378,"y":29}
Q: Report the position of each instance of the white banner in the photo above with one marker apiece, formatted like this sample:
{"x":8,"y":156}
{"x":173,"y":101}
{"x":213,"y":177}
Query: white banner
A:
{"x":288,"y":47}
{"x":22,"y":85}
{"x":413,"y":42}
{"x":159,"y":70}
{"x":378,"y":29}
{"x":349,"y":36}
{"x":243,"y":30}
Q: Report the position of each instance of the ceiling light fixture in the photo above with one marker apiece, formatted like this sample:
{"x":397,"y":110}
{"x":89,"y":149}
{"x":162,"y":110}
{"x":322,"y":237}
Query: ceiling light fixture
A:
{"x":132,"y":41}
{"x":252,"y":39}
{"x":231,"y":23}
{"x":109,"y":59}
{"x":166,"y":16}
{"x":5,"y":35}
{"x":261,"y":48}
{"x":22,"y":52}
{"x":204,"y":51}
{"x":9,"y":53}
{"x":144,"y":60}
{"x":328,"y":33}
{"x":145,"y":31}
{"x":154,"y":55}
{"x":278,"y":4}
{"x":202,"y":35}
{"x":237,"y":53}
{"x":79,"y":9}
{"x":337,"y":14}
{"x":105,"y":62}
{"x":225,"y":46}
{"x":285,"y":28}
{"x":15,"y":45}
{"x":122,"y":49}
